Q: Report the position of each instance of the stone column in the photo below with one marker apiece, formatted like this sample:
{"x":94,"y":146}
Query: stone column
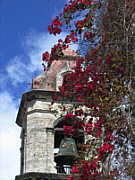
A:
{"x":40,"y":140}
{"x":36,"y":143}
{"x":24,"y":169}
{"x":50,"y":150}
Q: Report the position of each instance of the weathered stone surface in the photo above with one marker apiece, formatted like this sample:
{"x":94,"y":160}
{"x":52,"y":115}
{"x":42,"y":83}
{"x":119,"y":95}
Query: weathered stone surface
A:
{"x":37,"y":117}
{"x":41,"y":176}
{"x":52,"y":79}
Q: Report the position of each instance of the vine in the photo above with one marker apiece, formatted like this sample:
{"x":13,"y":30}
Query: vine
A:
{"x":100,"y":83}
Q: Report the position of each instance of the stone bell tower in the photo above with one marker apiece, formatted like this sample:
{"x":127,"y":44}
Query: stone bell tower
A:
{"x":41,"y":123}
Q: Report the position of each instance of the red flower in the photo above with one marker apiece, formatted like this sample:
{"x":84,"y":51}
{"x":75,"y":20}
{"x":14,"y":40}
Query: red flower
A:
{"x":112,"y":172}
{"x":56,"y":22}
{"x":45,"y":56}
{"x":108,"y":58}
{"x":55,"y":97}
{"x":105,"y":149}
{"x":67,"y":130}
{"x":71,"y":178}
{"x":80,"y":99}
{"x":88,"y":128}
{"x":60,"y":40}
{"x":69,"y":117}
{"x":127,"y":6}
{"x":75,"y":170}
{"x":54,"y":28}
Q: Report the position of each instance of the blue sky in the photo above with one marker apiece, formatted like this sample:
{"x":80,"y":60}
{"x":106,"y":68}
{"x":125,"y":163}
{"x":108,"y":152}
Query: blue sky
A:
{"x":24,"y":38}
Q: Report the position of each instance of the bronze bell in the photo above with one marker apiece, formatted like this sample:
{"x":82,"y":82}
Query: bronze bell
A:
{"x":67,"y":152}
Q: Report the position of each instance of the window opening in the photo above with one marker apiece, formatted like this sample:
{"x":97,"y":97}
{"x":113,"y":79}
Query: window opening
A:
{"x":59,"y":135}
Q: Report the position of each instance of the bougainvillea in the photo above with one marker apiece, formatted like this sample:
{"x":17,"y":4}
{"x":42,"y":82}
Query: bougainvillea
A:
{"x":99,"y":83}
{"x":67,"y":130}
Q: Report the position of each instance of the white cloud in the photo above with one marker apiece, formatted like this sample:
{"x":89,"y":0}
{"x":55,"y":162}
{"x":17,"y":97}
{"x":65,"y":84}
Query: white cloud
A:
{"x":9,"y":138}
{"x":21,"y":68}
{"x":37,"y":43}
{"x":17,"y":70}
{"x":10,"y":154}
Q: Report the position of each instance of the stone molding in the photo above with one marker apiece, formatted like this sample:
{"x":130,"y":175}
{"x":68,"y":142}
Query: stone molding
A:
{"x":38,"y":95}
{"x":41,"y":176}
{"x":50,"y":130}
{"x":41,"y":111}
{"x":29,"y":96}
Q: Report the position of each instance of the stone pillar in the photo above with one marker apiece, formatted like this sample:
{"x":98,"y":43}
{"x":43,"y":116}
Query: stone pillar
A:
{"x":24,"y":169}
{"x":50,"y":151}
{"x":39,"y":140}
{"x":36,"y":143}
{"x":22,"y":156}
{"x":23,"y":150}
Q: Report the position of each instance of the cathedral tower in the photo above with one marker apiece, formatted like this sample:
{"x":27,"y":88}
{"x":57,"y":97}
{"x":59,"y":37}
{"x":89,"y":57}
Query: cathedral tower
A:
{"x":41,"y":123}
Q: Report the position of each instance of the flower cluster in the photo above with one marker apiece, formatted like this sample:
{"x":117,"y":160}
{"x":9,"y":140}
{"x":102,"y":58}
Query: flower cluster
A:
{"x":97,"y":82}
{"x":54,"y":28}
{"x":75,"y":170}
{"x":86,"y":22}
{"x":104,"y":150}
{"x":88,"y":128}
{"x":56,"y":52}
{"x":71,"y":38}
{"x":45,"y":56}
{"x":69,"y":117}
{"x":89,"y":170}
{"x":74,"y":6}
{"x":67,"y":130}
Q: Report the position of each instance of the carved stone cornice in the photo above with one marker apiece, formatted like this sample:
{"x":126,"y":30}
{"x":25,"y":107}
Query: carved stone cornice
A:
{"x":29,"y":96}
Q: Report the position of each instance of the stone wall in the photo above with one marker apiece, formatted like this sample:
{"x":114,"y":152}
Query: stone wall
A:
{"x":38,"y":117}
{"x":39,"y":139}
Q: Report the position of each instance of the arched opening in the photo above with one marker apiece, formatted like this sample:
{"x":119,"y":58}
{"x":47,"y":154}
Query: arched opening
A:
{"x":64,"y":75}
{"x":59,"y":136}
{"x":64,"y":78}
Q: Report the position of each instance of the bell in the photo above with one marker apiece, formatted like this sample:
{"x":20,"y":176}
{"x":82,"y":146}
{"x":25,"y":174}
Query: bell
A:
{"x":67,"y":152}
